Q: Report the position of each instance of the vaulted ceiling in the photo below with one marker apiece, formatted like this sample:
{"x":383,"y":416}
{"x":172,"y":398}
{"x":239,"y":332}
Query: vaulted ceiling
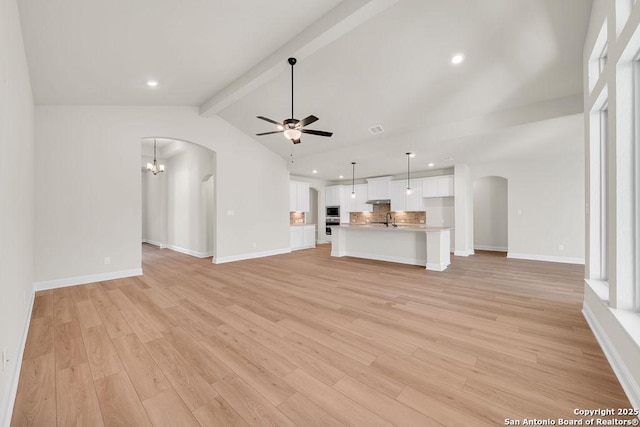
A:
{"x":361,"y":63}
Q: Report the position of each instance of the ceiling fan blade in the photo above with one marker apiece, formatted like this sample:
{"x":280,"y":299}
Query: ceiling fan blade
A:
{"x":307,"y":121}
{"x":269,"y":133}
{"x":316,"y":132}
{"x":269,"y":120}
{"x":296,"y":141}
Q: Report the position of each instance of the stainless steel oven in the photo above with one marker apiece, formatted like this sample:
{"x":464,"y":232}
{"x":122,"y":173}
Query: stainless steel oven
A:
{"x":331,"y":221}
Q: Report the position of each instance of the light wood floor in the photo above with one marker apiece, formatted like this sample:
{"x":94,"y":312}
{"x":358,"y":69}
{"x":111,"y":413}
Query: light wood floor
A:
{"x":306,"y":339}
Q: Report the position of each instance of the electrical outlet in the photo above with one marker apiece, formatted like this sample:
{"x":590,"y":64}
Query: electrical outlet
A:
{"x":254,"y":244}
{"x":561,"y":247}
{"x":107,"y":260}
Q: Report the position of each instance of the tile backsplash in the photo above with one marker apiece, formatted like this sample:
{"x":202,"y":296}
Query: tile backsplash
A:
{"x":296,"y":218}
{"x":380,"y":212}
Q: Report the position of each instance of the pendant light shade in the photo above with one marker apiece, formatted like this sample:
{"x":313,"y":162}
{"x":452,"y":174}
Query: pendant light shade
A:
{"x":154,"y":167}
{"x":353,"y":179}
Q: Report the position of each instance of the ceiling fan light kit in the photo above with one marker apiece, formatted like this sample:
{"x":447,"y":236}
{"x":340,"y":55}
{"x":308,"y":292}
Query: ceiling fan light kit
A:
{"x":293,"y":128}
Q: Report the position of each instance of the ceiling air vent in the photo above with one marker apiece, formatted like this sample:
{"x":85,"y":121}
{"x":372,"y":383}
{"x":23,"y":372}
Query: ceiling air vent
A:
{"x":376,"y":129}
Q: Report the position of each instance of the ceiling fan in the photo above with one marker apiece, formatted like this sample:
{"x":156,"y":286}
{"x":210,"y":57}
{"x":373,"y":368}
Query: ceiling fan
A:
{"x":293,"y":128}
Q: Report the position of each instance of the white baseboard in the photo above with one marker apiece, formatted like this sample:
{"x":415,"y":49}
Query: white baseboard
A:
{"x":378,"y":257}
{"x":252,"y":255}
{"x":154,"y":243}
{"x":463,"y":253}
{"x":549,"y":258}
{"x":189,"y":251}
{"x":491,"y":248}
{"x":81,"y":280}
{"x":626,"y":379}
{"x":436,"y":267}
{"x":6,"y":406}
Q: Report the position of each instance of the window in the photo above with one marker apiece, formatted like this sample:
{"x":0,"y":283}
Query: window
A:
{"x":598,"y":57}
{"x":598,"y":196}
{"x":603,"y":199}
{"x":636,"y":175}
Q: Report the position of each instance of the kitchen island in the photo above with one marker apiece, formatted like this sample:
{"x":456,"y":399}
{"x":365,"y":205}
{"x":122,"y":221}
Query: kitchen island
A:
{"x":406,"y":244}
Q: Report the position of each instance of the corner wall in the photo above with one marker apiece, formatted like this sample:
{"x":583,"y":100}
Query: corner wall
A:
{"x":490,"y":220}
{"x":186,"y":204}
{"x":16,"y":201}
{"x":545,"y":205}
{"x":88,"y":188}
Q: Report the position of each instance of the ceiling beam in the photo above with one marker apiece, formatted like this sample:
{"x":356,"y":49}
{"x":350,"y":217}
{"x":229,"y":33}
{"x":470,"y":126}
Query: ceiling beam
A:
{"x":334,"y":24}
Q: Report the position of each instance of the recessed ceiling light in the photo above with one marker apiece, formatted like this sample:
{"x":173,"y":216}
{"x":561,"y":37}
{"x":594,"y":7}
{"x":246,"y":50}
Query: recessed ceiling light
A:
{"x":152,"y":83}
{"x":314,"y":171}
{"x":457,"y":58}
{"x":341,"y":177}
{"x":430,"y":165}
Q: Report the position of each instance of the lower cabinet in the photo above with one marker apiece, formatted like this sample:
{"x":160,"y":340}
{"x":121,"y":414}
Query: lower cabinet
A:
{"x":302,"y":237}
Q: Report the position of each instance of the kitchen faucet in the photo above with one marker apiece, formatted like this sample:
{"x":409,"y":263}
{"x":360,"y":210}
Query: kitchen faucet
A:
{"x":387,"y":218}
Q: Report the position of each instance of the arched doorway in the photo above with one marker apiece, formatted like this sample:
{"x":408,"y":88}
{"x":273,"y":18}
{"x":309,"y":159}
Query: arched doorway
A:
{"x":490,"y":214}
{"x":178,"y":209}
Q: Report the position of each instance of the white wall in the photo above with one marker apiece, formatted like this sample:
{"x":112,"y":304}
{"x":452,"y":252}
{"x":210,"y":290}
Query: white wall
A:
{"x":88,"y":187}
{"x":312,"y":215}
{"x":319,"y":186}
{"x":490,"y":213}
{"x":154,"y":205}
{"x":186,"y":207}
{"x":545,"y":206}
{"x":16,"y":199}
{"x":463,"y":208}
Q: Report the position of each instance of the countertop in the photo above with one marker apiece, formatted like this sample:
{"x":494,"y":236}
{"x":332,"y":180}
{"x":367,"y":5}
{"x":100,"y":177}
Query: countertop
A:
{"x":382,"y":227}
{"x":299,"y":224}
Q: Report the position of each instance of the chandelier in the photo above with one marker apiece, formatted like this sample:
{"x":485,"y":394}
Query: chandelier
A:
{"x":154,"y":167}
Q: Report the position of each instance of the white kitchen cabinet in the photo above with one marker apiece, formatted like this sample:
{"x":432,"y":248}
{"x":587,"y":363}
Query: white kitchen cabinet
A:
{"x":302,"y":237}
{"x":398,"y":195}
{"x":298,"y":196}
{"x":414,"y":201}
{"x":379,"y":188}
{"x":401,"y":201}
{"x":309,"y":236}
{"x":358,"y":203}
{"x":437,"y":186}
{"x":445,"y":186}
{"x":334,"y":195}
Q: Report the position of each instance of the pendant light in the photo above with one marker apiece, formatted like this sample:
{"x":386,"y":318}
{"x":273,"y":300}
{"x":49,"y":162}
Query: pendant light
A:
{"x":155,"y":168}
{"x":353,"y":180}
{"x":409,"y":156}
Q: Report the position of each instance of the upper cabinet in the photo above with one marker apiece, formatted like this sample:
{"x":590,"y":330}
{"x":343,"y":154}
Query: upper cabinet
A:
{"x":334,"y":195}
{"x":437,"y":186}
{"x":401,"y":201}
{"x":298,"y":196}
{"x":379,"y":188}
{"x":358,"y":203}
